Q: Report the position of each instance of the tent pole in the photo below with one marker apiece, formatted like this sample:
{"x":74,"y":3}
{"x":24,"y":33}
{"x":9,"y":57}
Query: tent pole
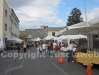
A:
{"x":88,"y":38}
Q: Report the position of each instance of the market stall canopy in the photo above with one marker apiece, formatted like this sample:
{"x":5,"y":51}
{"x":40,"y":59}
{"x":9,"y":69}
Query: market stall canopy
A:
{"x":49,"y":38}
{"x":38,"y":39}
{"x":69,"y":37}
{"x":76,"y":36}
{"x":29,"y":36}
{"x":60,"y":32}
{"x":55,"y":38}
{"x":78,"y":31}
{"x":70,"y":32}
{"x":79,"y":36}
{"x":16,"y":39}
{"x":32,"y":39}
{"x":62,"y":37}
{"x":86,"y":26}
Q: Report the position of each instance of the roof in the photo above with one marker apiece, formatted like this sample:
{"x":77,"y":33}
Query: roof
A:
{"x":12,"y":11}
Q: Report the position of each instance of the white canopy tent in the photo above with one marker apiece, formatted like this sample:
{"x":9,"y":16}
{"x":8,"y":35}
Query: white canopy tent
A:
{"x":55,"y":38}
{"x":60,"y":32}
{"x":62,"y":37}
{"x":32,"y":39}
{"x":85,"y":26}
{"x":70,"y":32}
{"x":16,"y":39}
{"x":76,"y":36}
{"x":29,"y":36}
{"x":81,"y":28}
{"x":79,"y":36}
{"x":49,"y":38}
{"x":69,"y":37}
{"x":37,"y":39}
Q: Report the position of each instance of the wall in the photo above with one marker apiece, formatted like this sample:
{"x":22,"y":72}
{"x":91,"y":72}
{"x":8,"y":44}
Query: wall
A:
{"x":1,"y":18}
{"x":42,"y":33}
{"x":50,"y":33}
{"x":15,"y":29}
{"x":6,"y":20}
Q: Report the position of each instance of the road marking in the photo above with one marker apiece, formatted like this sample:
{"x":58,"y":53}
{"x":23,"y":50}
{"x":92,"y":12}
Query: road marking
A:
{"x":14,"y":68}
{"x":60,"y":69}
{"x":22,"y":64}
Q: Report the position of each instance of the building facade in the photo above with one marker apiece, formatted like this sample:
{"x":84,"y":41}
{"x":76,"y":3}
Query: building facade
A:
{"x":52,"y":31}
{"x":9,"y":23}
{"x":41,"y":32}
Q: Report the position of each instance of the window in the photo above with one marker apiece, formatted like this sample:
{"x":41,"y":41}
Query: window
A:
{"x":6,"y":27}
{"x":6,"y":13}
{"x":53,"y":33}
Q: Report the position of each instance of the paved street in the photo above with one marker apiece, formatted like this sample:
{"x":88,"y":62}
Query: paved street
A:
{"x":41,"y":66}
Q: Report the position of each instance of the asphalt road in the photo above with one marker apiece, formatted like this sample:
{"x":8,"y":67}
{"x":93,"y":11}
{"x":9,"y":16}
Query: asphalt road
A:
{"x":45,"y":66}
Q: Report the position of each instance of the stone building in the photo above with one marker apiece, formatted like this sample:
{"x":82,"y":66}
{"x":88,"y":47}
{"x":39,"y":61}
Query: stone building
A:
{"x":41,"y":32}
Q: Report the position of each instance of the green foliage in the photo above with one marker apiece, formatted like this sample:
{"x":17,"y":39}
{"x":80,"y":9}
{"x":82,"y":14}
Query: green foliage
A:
{"x":74,"y":17}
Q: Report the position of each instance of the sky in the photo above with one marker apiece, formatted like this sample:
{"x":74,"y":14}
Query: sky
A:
{"x":53,"y":13}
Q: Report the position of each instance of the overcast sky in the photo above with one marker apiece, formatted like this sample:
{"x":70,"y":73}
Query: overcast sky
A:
{"x":33,"y":13}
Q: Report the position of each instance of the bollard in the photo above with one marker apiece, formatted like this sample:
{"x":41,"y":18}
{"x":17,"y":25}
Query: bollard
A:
{"x":60,"y":60}
{"x":89,"y":70}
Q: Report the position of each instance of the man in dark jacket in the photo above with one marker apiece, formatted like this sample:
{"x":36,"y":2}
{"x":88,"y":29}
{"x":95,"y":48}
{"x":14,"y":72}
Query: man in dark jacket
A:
{"x":18,"y":48}
{"x":50,"y":48}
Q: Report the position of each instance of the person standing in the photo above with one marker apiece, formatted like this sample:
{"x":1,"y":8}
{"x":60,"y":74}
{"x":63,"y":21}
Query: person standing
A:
{"x":70,"y":51}
{"x":18,"y":48}
{"x":54,"y":45}
{"x":24,"y":46}
{"x":38,"y":45}
{"x":51,"y":49}
{"x":40,"y":48}
{"x":44,"y":48}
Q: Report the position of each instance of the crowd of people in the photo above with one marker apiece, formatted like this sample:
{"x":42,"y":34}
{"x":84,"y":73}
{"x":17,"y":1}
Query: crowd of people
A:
{"x":50,"y":47}
{"x":24,"y":46}
{"x":47,"y":47}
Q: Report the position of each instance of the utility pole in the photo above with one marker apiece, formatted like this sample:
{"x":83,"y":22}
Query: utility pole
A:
{"x":88,"y":36}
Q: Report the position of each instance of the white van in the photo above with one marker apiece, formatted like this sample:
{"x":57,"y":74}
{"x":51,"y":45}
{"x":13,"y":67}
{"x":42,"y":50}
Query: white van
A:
{"x":2,"y":44}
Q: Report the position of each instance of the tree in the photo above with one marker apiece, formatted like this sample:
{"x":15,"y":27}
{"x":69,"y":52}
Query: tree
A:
{"x":74,"y":17}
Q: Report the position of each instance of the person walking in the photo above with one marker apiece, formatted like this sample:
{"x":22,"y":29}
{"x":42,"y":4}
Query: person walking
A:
{"x":24,"y":46}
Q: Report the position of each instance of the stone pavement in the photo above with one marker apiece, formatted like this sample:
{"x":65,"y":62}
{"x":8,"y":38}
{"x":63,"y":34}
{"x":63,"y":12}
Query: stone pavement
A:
{"x":5,"y":62}
{"x":49,"y":66}
{"x":42,"y":66}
